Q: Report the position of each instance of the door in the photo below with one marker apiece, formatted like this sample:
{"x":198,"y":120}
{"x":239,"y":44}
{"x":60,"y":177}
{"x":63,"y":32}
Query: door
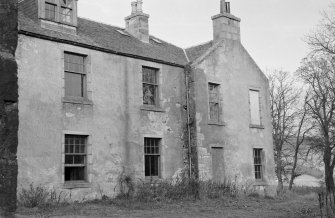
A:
{"x":218,"y":164}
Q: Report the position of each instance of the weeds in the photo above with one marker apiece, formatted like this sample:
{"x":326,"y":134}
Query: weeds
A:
{"x":33,"y":196}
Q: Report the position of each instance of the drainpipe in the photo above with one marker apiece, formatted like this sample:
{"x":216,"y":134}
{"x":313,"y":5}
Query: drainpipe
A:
{"x":188,"y":122}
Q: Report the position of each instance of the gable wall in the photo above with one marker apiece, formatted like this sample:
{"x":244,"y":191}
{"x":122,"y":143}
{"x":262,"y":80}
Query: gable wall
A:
{"x":231,"y":66}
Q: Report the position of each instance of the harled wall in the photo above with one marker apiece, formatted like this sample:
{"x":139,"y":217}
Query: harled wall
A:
{"x":114,"y":119}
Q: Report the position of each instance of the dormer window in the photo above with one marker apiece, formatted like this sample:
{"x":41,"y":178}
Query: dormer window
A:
{"x":66,"y":11}
{"x":59,"y":11}
{"x":50,"y":11}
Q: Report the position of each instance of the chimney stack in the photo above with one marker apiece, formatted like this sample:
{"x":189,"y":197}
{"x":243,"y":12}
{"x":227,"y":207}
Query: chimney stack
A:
{"x":226,"y":25}
{"x":133,"y":7}
{"x":137,"y":24}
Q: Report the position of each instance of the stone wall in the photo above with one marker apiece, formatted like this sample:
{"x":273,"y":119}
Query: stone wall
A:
{"x":8,"y":105}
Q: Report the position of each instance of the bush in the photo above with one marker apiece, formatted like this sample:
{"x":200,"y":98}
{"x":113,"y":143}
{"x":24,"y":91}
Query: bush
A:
{"x":33,"y":196}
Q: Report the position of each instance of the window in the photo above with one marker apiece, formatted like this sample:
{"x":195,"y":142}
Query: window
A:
{"x":150,"y":86}
{"x":258,"y":164}
{"x":214,"y":102}
{"x":61,"y":11}
{"x":75,"y":76}
{"x":75,"y":158}
{"x":152,"y":157}
{"x":50,"y":11}
{"x":66,"y":11}
{"x":255,"y":113}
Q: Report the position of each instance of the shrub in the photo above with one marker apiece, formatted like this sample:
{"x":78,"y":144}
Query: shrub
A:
{"x":33,"y":196}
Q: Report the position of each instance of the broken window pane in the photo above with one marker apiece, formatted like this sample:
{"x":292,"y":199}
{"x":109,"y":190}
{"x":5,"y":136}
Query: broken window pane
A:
{"x":150,"y":86}
{"x":149,"y":94}
{"x":66,"y":15}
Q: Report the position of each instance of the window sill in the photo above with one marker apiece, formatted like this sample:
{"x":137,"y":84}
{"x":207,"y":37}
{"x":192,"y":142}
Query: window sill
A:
{"x":59,"y":22}
{"x":260,"y":183}
{"x":215,"y":123}
{"x":77,"y":101}
{"x":253,"y":126}
{"x":156,"y":109}
{"x":153,"y":180}
{"x":77,"y":184}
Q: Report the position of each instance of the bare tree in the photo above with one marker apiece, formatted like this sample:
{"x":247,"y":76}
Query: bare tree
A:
{"x":318,"y":74}
{"x":283,"y":99}
{"x":302,"y":129}
{"x":322,"y":39}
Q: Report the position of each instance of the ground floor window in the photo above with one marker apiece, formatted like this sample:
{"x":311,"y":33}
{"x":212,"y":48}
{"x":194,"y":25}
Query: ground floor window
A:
{"x":152,"y":157}
{"x":75,"y":168}
{"x":258,"y":163}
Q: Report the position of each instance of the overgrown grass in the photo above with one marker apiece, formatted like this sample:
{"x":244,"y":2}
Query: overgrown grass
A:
{"x":37,"y":196}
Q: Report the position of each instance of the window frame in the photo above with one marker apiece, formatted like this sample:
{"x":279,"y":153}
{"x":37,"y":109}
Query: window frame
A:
{"x":58,"y":11}
{"x":68,"y":7}
{"x":83,"y":74}
{"x":45,"y":11}
{"x":156,"y":87}
{"x":216,"y":101}
{"x":260,"y":124}
{"x":159,"y":155}
{"x":77,"y":184}
{"x":73,"y":154}
{"x":260,"y":164}
{"x":219,"y":121}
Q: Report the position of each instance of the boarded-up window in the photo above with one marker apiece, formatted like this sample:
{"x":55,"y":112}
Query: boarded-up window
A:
{"x":255,"y":113}
{"x":214,"y":102}
{"x":150,"y":86}
{"x":75,"y":158}
{"x":75,"y":77}
{"x":258,"y":164}
{"x":152,"y":157}
{"x":50,"y":11}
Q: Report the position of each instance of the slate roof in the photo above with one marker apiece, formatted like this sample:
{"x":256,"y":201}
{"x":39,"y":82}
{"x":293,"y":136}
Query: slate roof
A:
{"x":106,"y":38}
{"x":197,"y":51}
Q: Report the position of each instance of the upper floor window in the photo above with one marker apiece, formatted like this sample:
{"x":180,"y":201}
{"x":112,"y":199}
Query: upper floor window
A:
{"x":50,"y":11}
{"x":150,"y":86}
{"x":214,"y":102}
{"x":255,"y":110}
{"x":75,"y":75}
{"x":62,"y":11}
{"x":66,"y":11}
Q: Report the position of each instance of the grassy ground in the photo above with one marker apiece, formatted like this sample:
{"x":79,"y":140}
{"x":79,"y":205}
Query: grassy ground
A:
{"x":290,"y":205}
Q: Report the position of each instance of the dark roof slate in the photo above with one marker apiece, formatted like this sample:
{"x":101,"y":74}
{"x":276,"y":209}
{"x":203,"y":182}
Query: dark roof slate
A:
{"x":107,"y":37}
{"x":197,"y":51}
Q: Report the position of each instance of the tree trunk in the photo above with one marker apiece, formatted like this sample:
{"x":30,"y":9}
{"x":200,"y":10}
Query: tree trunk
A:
{"x":329,"y":170}
{"x":293,"y":170}
{"x":279,"y":175}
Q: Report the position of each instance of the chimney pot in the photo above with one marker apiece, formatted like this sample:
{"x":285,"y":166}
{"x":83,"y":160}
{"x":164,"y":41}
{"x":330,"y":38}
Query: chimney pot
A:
{"x":139,"y":6}
{"x":223,"y":7}
{"x":133,"y":7}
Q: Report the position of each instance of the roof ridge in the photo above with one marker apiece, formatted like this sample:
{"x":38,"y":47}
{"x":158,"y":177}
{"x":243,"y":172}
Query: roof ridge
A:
{"x":100,"y":22}
{"x":204,"y":43}
{"x":165,"y":41}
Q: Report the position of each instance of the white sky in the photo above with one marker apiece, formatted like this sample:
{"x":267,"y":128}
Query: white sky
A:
{"x":271,"y":30}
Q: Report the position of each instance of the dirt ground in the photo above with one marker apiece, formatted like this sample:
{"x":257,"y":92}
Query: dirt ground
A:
{"x":289,"y":206}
